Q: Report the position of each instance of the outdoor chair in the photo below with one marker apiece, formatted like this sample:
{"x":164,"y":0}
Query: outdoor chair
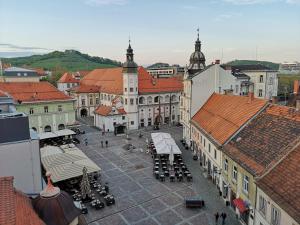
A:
{"x":162,"y":177}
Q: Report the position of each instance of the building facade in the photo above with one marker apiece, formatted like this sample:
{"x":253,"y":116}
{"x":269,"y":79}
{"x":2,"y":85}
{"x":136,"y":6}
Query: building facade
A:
{"x":18,"y":74}
{"x":67,"y":81}
{"x":19,"y":149}
{"x":47,"y":108}
{"x":146,"y":100}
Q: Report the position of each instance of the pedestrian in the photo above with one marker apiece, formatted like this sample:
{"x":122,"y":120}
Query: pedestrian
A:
{"x":106,"y":143}
{"x":217,"y":217}
{"x":223,"y":215}
{"x":86,"y":142}
{"x":101,"y":144}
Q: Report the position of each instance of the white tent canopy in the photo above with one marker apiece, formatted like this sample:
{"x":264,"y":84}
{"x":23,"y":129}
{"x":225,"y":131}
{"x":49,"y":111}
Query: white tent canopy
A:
{"x":54,"y":134}
{"x":164,"y":143}
{"x":66,"y":163}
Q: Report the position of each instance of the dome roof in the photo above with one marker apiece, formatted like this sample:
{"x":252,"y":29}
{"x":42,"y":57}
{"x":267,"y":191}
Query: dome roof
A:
{"x":129,"y":66}
{"x":197,"y":59}
{"x":55,"y":207}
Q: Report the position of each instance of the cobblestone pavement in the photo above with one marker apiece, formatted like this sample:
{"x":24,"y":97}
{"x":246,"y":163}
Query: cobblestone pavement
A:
{"x":140,"y":198}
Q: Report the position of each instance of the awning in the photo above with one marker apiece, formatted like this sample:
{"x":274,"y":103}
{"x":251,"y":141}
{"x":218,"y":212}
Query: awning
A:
{"x":54,"y":134}
{"x":163,"y":143}
{"x":66,"y":162}
{"x":240,"y":204}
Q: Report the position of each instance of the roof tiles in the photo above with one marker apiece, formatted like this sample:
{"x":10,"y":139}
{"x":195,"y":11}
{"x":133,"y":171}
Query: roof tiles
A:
{"x":67,"y":78}
{"x":33,"y":91}
{"x":222,"y":115}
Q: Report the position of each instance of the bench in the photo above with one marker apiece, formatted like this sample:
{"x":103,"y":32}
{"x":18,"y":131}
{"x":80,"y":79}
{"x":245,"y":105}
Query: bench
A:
{"x":194,"y":202}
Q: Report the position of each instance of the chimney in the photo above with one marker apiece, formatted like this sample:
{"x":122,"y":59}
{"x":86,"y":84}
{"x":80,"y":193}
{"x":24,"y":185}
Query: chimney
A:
{"x":217,"y":61}
{"x":250,"y":97}
{"x":297,"y":105}
{"x":296,"y":87}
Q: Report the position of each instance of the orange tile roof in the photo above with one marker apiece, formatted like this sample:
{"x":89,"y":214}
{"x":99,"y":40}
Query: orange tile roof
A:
{"x":282,"y":184}
{"x":111,"y":81}
{"x":67,"y":78}
{"x":266,"y":139}
{"x":222,"y":115}
{"x":3,"y":94}
{"x":15,"y":207}
{"x":82,"y":88}
{"x":33,"y":91}
{"x":104,"y":110}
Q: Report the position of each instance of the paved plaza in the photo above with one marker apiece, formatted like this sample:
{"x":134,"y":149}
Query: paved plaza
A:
{"x":140,"y":198}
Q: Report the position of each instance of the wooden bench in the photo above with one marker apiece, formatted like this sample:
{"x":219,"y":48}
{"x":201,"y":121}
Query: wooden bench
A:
{"x":194,"y":202}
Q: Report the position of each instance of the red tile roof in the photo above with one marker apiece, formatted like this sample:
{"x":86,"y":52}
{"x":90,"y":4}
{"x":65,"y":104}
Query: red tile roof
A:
{"x":111,"y":81}
{"x":33,"y":91}
{"x":67,"y":78}
{"x":266,"y":139}
{"x":3,"y":94}
{"x":282,"y":184}
{"x":106,"y":110}
{"x":15,"y":207}
{"x":222,"y":115}
{"x":82,"y":88}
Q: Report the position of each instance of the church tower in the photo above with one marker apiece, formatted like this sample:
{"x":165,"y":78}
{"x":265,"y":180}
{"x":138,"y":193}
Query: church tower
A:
{"x":130,"y":89}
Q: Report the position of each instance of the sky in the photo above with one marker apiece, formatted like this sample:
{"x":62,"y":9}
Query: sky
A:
{"x":160,"y":30}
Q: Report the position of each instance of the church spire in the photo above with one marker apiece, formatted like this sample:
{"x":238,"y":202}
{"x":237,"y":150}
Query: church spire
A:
{"x":198,"y":42}
{"x":129,"y":66}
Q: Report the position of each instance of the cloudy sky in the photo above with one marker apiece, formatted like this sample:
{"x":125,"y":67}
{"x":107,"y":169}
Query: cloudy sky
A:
{"x":160,"y":30}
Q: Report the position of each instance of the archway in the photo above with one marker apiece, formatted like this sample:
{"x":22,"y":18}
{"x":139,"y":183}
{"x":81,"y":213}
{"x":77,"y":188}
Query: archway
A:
{"x":158,"y":120}
{"x":61,"y":126}
{"x":83,"y":112}
{"x":47,"y":128}
{"x":33,"y":128}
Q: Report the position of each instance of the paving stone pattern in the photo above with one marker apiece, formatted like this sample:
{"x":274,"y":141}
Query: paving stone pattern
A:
{"x":140,"y":198}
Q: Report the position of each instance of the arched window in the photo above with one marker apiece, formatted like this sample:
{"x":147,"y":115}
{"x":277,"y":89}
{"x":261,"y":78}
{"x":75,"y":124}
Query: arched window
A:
{"x":149,"y":100}
{"x":156,"y":99}
{"x":167,"y":98}
{"x":33,"y":128}
{"x":174,"y":98}
{"x":141,"y":100}
{"x":61,"y":126}
{"x":47,"y":128}
{"x":161,"y":99}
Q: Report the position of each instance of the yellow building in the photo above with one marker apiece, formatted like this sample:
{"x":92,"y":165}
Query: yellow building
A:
{"x":261,"y":144}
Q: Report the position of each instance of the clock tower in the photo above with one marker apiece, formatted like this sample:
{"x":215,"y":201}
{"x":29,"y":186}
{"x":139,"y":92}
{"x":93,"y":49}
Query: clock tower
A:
{"x":130,"y":89}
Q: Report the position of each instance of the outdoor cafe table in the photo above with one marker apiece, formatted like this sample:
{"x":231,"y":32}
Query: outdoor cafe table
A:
{"x":166,"y":173}
{"x":162,"y":177}
{"x":157,"y":164}
{"x":189,"y":177}
{"x":172,"y":177}
{"x":156,"y":174}
{"x":156,"y":167}
{"x":186,"y":173}
{"x":180,"y":177}
{"x":164,"y":168}
{"x":181,"y":164}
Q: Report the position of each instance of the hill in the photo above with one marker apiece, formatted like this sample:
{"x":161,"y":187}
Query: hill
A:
{"x":69,"y":60}
{"x":274,"y":66}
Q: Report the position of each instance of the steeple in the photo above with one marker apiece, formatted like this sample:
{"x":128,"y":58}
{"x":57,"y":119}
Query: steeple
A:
{"x":197,"y":59}
{"x":129,"y":66}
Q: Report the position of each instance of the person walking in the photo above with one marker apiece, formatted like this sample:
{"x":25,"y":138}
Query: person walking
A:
{"x":106,"y":143}
{"x":101,"y":144}
{"x":86,"y":142}
{"x":217,"y":217}
{"x":223,"y":215}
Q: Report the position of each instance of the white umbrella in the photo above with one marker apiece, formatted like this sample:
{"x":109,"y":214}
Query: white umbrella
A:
{"x":171,"y":156}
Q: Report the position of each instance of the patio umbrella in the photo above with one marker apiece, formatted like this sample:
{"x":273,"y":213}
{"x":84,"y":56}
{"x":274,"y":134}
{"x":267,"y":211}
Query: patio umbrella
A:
{"x":85,"y":184}
{"x":171,"y":156}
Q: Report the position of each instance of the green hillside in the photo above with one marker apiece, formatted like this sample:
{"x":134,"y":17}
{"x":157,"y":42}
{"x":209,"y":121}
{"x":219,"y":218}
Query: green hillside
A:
{"x":271,"y":65}
{"x":69,"y":60}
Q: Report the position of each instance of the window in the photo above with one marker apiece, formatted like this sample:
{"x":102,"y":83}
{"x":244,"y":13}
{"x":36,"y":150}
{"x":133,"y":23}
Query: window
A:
{"x":275,"y":216}
{"x":156,"y":99}
{"x":125,"y":101}
{"x":131,"y":101}
{"x":209,"y":147}
{"x":215,"y":154}
{"x":59,"y":108}
{"x":83,"y":102}
{"x":236,"y":88}
{"x":136,"y":101}
{"x":45,"y":109}
{"x":25,"y":74}
{"x":246,"y":184}
{"x":262,"y":205}
{"x":68,"y":85}
{"x":123,"y":117}
{"x":19,"y":74}
{"x":131,"y":89}
{"x":97,"y":101}
{"x":261,"y":79}
{"x":101,"y":96}
{"x":125,"y":89}
{"x":234,"y":173}
{"x":132,"y":122}
{"x":201,"y":139}
{"x":260,"y":93}
{"x":226,"y":165}
{"x":31,"y":111}
{"x":149,"y":100}
{"x":204,"y":142}
{"x":271,"y":80}
{"x":142,"y":100}
{"x":91,"y":101}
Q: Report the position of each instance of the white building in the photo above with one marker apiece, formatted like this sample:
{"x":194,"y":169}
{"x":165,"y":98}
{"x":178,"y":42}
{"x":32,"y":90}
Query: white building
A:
{"x":264,"y":79}
{"x":146,"y":100}
{"x":201,"y":81}
{"x":67,"y":81}
{"x":19,"y":149}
